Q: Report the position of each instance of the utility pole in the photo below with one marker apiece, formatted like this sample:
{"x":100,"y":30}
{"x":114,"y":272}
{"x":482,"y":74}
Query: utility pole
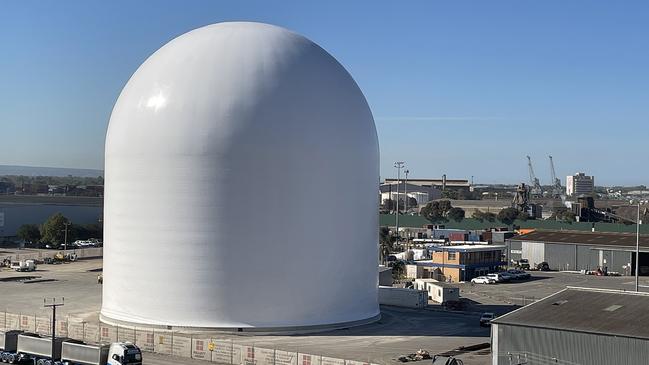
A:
{"x":65,"y":239}
{"x":53,"y":305}
{"x":398,"y":165}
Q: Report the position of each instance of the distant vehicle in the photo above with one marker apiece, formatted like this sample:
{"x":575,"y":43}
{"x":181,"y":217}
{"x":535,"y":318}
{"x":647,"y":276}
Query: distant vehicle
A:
{"x":391,"y":258}
{"x":543,"y":266}
{"x":24,"y":265}
{"x":523,"y":264}
{"x":486,"y":318}
{"x":483,"y":280}
{"x":499,"y":277}
{"x":519,"y":274}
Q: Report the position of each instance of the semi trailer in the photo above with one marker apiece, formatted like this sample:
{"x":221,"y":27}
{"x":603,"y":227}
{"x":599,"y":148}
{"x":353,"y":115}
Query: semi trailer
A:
{"x":18,"y":347}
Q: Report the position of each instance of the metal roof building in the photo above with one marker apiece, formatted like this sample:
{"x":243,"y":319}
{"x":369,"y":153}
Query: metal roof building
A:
{"x":572,"y":250}
{"x":575,"y":326}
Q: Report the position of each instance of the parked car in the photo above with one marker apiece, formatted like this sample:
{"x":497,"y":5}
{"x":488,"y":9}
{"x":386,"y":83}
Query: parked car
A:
{"x":486,"y":318}
{"x":483,"y":280}
{"x":543,"y":266}
{"x":519,"y":274}
{"x":499,"y":277}
{"x":522,"y":264}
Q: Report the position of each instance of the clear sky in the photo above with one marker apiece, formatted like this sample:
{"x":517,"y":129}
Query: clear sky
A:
{"x":466,"y":88}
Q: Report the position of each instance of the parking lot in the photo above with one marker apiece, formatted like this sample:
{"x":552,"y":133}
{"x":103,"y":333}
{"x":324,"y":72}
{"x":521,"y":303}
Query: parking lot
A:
{"x":542,"y":284}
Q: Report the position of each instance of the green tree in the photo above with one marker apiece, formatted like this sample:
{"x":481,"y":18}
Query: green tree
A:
{"x":508,"y":215}
{"x":437,"y":210}
{"x":29,"y":233}
{"x":523,"y":216}
{"x":479,"y":215}
{"x":54,"y":229}
{"x":456,"y":214}
{"x":386,"y":242}
{"x":449,"y":194}
{"x":491,"y":217}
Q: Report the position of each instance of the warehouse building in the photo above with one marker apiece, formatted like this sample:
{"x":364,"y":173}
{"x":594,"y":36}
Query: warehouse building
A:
{"x":575,"y":326}
{"x":571,"y":250}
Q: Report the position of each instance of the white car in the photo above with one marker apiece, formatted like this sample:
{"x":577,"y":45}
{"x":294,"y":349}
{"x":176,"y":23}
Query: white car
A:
{"x":483,"y":280}
{"x":499,"y":277}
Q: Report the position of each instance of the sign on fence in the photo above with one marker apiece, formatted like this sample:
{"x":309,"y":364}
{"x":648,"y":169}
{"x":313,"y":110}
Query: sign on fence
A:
{"x":162,"y":341}
{"x":43,"y":326}
{"x":331,"y":361}
{"x":145,"y":339}
{"x":201,"y":348}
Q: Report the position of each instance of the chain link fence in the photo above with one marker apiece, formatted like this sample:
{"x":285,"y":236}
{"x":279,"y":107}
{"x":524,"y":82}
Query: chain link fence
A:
{"x":195,"y":346}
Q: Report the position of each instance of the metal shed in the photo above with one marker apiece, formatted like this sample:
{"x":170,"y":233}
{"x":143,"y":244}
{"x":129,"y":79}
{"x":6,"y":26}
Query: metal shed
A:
{"x":575,"y":326}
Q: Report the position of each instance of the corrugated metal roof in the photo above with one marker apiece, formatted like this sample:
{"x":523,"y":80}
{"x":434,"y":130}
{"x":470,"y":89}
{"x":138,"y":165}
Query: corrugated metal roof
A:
{"x":585,"y":238}
{"x":597,"y":311}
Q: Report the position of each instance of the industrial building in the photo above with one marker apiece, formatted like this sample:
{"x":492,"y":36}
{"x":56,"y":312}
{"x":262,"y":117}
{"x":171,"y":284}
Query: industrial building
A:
{"x":212,"y":116}
{"x":575,"y":326}
{"x":580,"y":184}
{"x":461,"y":262}
{"x":573,"y":250}
{"x":422,"y":194}
{"x":438,"y":183}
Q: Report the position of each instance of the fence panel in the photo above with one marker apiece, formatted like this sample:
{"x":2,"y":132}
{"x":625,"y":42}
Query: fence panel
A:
{"x":91,"y":332}
{"x":107,"y":333}
{"x":201,"y":348}
{"x":27,"y":323}
{"x":163,"y":341}
{"x":263,"y":356}
{"x":308,"y":359}
{"x":285,"y":358}
{"x":145,"y":339}
{"x":222,"y":352}
{"x":43,"y":325}
{"x":12,"y":321}
{"x":126,"y":334}
{"x":182,"y":346}
{"x":331,"y":361}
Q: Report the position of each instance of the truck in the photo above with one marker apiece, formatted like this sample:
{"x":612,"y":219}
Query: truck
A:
{"x":9,"y":346}
{"x":22,"y":347}
{"x":119,"y":353}
{"x":24,"y":265}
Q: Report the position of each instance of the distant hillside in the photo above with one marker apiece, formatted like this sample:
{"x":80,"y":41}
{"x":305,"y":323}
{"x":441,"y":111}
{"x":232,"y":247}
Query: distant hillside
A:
{"x":48,"y":171}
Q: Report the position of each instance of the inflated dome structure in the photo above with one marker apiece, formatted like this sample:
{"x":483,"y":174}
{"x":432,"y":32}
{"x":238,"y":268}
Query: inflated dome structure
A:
{"x":241,"y":176}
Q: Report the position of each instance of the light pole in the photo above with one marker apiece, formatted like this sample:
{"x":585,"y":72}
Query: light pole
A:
{"x":398,"y":165}
{"x":637,"y":248}
{"x":53,"y":305}
{"x":405,"y":191}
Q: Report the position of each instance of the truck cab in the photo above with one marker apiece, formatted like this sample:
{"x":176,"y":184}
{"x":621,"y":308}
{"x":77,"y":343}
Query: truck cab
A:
{"x":124,"y":353}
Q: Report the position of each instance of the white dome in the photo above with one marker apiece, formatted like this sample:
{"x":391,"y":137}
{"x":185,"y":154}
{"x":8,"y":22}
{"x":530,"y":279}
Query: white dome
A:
{"x":241,"y":175}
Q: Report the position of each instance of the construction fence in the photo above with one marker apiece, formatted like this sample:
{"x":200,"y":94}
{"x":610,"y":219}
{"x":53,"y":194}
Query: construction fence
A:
{"x":195,"y":346}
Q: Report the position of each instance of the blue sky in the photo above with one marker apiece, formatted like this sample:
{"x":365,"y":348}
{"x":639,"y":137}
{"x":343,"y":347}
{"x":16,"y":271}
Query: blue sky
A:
{"x":466,"y":88}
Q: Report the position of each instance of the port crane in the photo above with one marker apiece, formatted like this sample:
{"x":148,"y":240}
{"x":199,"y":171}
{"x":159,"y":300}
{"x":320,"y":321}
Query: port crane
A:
{"x":557,"y":190}
{"x":535,"y":186}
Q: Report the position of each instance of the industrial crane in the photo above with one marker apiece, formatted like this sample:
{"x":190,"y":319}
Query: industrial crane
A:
{"x":557,"y":190}
{"x":535,"y":186}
